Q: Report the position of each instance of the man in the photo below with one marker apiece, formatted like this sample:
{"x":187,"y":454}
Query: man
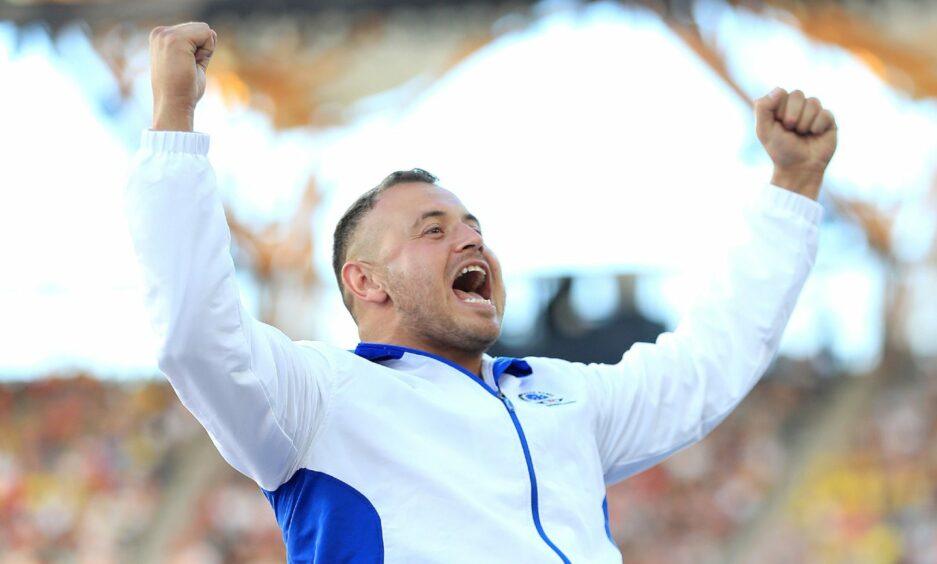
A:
{"x":417,"y":447}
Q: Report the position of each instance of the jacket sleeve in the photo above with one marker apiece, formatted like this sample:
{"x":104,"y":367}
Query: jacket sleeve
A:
{"x":665,"y":396}
{"x":259,"y":395}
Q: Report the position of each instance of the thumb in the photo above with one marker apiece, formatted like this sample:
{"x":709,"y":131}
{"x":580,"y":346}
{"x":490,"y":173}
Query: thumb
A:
{"x":205,"y":50}
{"x":766,"y":109}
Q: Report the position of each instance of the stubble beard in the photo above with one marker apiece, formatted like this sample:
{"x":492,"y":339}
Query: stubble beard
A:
{"x":452,"y":335}
{"x":425,"y":320}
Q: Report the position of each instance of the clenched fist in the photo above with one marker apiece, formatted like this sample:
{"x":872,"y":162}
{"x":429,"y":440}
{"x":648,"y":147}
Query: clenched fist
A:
{"x":799,"y":136}
{"x":179,"y":57}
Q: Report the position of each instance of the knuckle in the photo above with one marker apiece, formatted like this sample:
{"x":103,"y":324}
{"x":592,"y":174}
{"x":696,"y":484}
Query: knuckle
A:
{"x":165,"y":34}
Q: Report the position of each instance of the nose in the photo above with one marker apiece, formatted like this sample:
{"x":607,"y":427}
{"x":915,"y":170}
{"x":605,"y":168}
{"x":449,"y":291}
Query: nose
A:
{"x":469,"y":238}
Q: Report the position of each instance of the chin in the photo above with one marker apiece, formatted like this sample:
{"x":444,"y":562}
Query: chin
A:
{"x":468,"y":334}
{"x":472,"y":338}
{"x":485,"y":338}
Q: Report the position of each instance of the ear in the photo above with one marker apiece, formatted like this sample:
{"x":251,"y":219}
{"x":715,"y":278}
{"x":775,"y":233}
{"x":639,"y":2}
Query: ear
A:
{"x":358,"y":278}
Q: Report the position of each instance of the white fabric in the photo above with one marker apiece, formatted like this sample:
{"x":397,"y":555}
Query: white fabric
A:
{"x":435,"y":453}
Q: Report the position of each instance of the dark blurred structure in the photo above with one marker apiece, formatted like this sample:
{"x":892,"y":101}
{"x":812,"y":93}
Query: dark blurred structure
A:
{"x":103,"y":12}
{"x":560,"y":331}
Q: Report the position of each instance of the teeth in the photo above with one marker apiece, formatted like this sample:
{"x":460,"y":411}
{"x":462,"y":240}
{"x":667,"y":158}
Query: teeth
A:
{"x":473,"y":297}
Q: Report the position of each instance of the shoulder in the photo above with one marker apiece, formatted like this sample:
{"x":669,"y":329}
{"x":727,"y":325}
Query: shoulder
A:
{"x":557,"y":367}
{"x":337,"y":357}
{"x":595,"y":379}
{"x":556,"y":374}
{"x":337,"y":362}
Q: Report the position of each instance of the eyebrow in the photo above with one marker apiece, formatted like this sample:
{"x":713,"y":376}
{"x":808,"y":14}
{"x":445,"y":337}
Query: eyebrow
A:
{"x":439,"y":213}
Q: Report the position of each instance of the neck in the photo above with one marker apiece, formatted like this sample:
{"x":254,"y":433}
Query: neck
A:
{"x":471,"y":362}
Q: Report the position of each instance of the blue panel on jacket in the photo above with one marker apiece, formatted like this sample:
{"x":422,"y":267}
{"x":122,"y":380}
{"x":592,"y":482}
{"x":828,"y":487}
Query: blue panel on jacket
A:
{"x":327,"y":521}
{"x":608,"y":529}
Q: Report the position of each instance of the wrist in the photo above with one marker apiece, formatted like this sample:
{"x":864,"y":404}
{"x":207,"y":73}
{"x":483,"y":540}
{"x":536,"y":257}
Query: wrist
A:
{"x":167,"y":117}
{"x":805,"y":182}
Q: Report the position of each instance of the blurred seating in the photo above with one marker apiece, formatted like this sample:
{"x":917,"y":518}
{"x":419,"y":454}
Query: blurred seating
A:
{"x":82,"y":465}
{"x":873,"y":498}
{"x":687,"y":509}
{"x":232,"y":523}
{"x":85,"y":466}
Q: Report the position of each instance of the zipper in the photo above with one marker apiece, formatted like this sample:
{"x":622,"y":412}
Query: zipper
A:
{"x":534,"y":499}
{"x":376,"y":352}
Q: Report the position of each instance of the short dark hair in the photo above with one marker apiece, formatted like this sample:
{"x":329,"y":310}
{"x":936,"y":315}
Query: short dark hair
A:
{"x":348,"y":224}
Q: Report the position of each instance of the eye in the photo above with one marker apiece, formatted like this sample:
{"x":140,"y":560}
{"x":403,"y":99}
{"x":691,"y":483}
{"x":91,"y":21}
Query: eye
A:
{"x":433,"y":230}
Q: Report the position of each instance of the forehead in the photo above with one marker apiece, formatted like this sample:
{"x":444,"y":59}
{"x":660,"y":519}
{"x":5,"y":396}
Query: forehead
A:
{"x":407,"y":202}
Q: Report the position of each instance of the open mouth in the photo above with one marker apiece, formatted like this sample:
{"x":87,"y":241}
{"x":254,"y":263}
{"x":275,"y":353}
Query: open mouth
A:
{"x":472,"y":286}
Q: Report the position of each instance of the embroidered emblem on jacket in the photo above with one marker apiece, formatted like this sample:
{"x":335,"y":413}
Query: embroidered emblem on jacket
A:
{"x":544,"y":398}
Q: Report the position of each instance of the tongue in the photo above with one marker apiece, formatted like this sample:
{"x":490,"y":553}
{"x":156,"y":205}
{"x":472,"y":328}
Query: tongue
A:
{"x":466,"y":295}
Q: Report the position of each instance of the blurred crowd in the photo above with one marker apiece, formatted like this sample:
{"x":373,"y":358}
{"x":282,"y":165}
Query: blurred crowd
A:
{"x":82,"y":467}
{"x":689,"y":509}
{"x":87,"y":469}
{"x":872,"y":496}
{"x":232,"y":523}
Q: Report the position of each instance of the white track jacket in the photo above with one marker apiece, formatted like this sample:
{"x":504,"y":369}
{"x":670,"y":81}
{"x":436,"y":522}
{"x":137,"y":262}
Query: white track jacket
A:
{"x":386,"y":454}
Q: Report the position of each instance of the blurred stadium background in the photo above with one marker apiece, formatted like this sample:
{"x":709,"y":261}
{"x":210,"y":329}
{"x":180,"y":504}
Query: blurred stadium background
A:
{"x":604,"y":145}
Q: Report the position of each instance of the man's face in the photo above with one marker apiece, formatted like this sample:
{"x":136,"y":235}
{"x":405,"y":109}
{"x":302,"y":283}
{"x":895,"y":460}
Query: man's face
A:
{"x":444,"y":284}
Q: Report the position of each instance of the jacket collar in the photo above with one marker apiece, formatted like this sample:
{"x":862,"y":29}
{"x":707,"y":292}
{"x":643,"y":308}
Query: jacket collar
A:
{"x":378,"y":352}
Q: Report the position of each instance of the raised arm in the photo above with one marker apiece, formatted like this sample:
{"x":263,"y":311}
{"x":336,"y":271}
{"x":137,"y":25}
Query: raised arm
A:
{"x":663,"y":397}
{"x":259,"y":395}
